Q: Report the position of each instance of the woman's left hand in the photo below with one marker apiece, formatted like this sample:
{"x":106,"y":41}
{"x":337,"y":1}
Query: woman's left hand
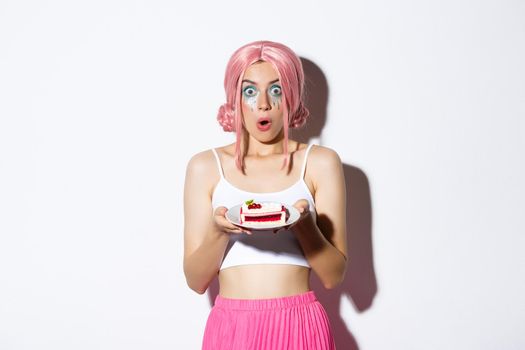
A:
{"x":303,"y":207}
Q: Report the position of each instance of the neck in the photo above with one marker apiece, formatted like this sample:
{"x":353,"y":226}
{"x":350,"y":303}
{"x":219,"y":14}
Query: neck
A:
{"x":261,"y":149}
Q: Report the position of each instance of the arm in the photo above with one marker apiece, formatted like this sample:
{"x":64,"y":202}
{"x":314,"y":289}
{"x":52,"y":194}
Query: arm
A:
{"x":324,"y":243}
{"x":206,"y":234}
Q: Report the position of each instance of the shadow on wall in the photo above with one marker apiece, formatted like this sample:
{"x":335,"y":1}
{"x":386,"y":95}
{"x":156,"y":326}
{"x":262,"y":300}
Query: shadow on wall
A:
{"x":360,"y":284}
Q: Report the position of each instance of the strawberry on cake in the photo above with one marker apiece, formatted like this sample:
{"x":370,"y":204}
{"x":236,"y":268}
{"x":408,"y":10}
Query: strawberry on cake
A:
{"x":263,"y":214}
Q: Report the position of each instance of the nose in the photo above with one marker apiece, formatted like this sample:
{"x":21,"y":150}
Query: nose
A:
{"x":263,"y":102}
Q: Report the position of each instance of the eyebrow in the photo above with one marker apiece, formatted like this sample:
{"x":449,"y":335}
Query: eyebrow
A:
{"x":253,"y":82}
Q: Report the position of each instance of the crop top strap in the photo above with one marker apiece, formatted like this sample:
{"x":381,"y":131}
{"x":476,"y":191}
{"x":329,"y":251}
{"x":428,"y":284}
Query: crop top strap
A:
{"x":219,"y":166}
{"x":303,"y":170}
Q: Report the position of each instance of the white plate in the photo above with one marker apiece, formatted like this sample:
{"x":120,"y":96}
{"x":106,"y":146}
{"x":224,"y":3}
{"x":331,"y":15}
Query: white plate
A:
{"x":233,"y":216}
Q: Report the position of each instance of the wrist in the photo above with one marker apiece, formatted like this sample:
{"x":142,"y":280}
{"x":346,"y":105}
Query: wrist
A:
{"x":218,"y":233}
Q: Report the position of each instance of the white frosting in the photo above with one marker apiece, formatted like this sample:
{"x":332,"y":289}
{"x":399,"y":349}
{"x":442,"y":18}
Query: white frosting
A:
{"x":266,"y":207}
{"x":263,"y":224}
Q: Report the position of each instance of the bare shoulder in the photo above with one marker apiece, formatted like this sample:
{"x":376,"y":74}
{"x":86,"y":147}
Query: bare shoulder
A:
{"x":202,"y":170}
{"x":322,"y":157}
{"x":324,"y":169}
{"x":201,"y":162}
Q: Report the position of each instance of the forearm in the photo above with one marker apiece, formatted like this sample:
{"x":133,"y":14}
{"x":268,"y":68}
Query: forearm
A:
{"x":202,"y":265}
{"x":325,"y":259}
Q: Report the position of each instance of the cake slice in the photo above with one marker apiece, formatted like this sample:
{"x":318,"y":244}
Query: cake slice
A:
{"x":263,"y":214}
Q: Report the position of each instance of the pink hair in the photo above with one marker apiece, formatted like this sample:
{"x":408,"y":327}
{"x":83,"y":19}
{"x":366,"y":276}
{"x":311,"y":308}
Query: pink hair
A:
{"x":291,"y":76}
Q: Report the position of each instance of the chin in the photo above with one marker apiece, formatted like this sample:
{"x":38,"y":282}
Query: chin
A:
{"x":271,"y":138}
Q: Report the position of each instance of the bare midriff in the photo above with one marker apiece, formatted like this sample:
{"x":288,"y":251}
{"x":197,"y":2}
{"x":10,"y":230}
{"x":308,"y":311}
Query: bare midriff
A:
{"x":263,"y":281}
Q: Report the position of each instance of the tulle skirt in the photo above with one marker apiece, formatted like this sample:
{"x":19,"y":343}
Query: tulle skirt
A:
{"x":297,"y":322}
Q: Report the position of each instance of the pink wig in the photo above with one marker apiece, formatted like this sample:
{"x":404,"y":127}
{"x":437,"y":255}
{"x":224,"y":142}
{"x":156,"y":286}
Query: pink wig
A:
{"x":291,"y":76}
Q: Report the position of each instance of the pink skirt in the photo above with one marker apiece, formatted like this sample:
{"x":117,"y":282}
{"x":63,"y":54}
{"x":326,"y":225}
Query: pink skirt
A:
{"x":297,"y":322}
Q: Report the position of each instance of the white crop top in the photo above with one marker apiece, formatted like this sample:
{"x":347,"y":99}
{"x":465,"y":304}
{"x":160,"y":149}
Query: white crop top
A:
{"x":262,"y":247}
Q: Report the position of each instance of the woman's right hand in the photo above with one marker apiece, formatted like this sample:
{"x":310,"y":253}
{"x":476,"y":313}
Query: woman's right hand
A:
{"x":224,"y":225}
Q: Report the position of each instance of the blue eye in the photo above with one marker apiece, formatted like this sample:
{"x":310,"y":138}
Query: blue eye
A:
{"x":276,"y":90}
{"x":249,"y":91}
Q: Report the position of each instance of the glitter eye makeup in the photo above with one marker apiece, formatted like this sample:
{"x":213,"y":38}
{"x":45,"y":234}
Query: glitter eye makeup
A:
{"x":249,"y":91}
{"x":250,"y":94}
{"x":275,"y":95}
{"x":275,"y":90}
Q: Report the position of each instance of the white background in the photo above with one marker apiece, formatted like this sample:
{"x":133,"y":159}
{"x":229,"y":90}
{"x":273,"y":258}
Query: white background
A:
{"x":102,"y":104}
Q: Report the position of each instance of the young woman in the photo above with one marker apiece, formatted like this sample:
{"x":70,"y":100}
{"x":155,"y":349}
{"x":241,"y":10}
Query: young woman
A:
{"x":265,"y":301}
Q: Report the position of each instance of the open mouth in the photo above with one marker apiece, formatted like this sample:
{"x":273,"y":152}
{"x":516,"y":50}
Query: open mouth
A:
{"x":264,"y":124}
